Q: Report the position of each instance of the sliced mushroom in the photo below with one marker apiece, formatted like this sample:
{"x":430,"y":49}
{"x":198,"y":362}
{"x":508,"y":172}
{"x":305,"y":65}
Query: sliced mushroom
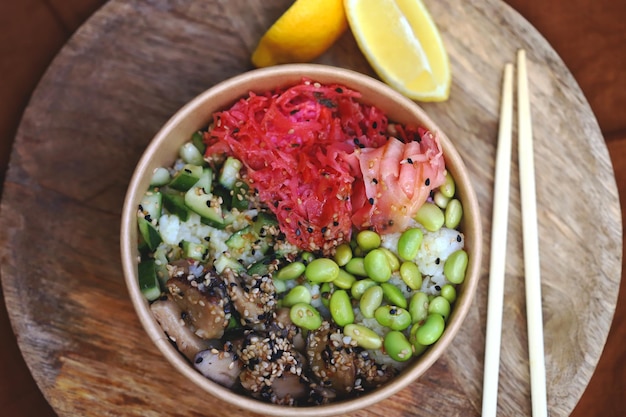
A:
{"x":204,"y":309}
{"x":219,"y":366}
{"x":169,"y":315}
{"x":254,"y":297}
{"x":289,"y":389}
{"x":283,"y":325}
{"x":331,"y":359}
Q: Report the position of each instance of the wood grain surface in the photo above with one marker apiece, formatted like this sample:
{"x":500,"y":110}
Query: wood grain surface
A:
{"x":135,"y":63}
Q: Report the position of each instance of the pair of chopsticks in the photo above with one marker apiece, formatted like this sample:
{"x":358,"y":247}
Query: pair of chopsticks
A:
{"x":530,"y":241}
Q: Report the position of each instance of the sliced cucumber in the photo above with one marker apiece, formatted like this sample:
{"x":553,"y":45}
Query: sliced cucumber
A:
{"x":193,"y":250}
{"x":264,"y":221}
{"x":174,"y":202}
{"x":160,"y":176}
{"x":224,"y":262}
{"x":230,"y":172}
{"x":151,"y":205}
{"x":239,"y":198}
{"x":198,"y":141}
{"x":200,"y":199}
{"x":186,"y":177}
{"x":149,"y":233}
{"x":242,"y":238}
{"x":190,"y":154}
{"x":148,"y":281}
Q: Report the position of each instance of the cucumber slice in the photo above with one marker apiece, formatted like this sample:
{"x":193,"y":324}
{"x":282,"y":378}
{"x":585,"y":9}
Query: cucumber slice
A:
{"x":198,"y":141}
{"x":200,"y":200}
{"x":224,"y":262}
{"x":149,"y":233}
{"x":196,"y":251}
{"x":175,"y":203}
{"x":262,"y":222}
{"x":186,"y":177}
{"x":239,"y":198}
{"x":151,"y":204}
{"x":190,"y":154}
{"x":148,"y":281}
{"x":242,"y":238}
{"x":230,"y":172}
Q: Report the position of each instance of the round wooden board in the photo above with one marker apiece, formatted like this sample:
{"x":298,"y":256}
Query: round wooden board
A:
{"x":134,"y":63}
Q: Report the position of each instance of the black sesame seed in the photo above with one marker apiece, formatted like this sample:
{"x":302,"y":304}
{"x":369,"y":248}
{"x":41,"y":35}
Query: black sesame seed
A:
{"x":335,"y":223}
{"x":199,"y":359}
{"x":437,"y":261}
{"x":324,"y":229}
{"x":371,"y":200}
{"x":409,"y":161}
{"x":374,"y":180}
{"x":339,"y":90}
{"x":427,"y":182}
{"x":458,"y":238}
{"x":309,"y":229}
{"x":393,"y":311}
{"x":375,"y":125}
{"x":437,"y":287}
{"x":208,"y":203}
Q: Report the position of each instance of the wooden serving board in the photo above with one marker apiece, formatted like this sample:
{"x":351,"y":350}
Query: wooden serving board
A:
{"x":134,"y":63}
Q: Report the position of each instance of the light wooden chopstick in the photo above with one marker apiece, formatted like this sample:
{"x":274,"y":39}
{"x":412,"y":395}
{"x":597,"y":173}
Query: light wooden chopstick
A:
{"x":534,"y":316}
{"x":530,"y":241}
{"x":498,"y":247}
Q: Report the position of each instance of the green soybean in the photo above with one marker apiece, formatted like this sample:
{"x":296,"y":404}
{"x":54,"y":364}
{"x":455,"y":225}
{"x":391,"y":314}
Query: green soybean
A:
{"x":409,"y":243}
{"x":368,"y":240}
{"x":411,"y":275}
{"x":393,"y":295}
{"x":430,"y":216}
{"x":448,"y":188}
{"x":377,"y":266}
{"x":418,"y":348}
{"x":441,"y":200}
{"x":321,"y":270}
{"x":397,"y":346}
{"x":326,"y":290}
{"x":363,"y":336}
{"x":355,"y":266}
{"x":280,"y":286}
{"x":432,"y":329}
{"x":394,"y":262}
{"x":394,"y":317}
{"x":298,"y":294}
{"x":372,"y":299}
{"x":453,"y":214}
{"x":418,"y":307}
{"x":360,"y":286}
{"x":290,"y":271}
{"x":455,"y":266}
{"x":448,"y":291}
{"x":439,"y":305}
{"x":343,"y":254}
{"x":341,"y":308}
{"x":305,"y":316}
{"x":344,"y":280}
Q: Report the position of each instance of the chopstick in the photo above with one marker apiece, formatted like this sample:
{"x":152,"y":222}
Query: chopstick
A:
{"x":530,"y":233}
{"x":498,"y":247}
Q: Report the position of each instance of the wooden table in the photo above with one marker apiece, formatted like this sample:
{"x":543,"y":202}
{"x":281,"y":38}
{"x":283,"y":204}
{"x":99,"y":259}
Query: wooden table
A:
{"x":134,"y":63}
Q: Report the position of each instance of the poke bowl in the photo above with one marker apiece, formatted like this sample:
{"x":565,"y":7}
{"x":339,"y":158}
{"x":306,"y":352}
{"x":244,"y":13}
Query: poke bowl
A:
{"x":301,"y":240}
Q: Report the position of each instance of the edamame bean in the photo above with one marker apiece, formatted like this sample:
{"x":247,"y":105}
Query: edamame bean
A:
{"x":363,"y":336}
{"x":411,"y":275}
{"x":432,"y":329}
{"x":394,"y":317}
{"x":397,"y":346}
{"x":418,"y":307}
{"x":377,"y":266}
{"x":280,"y":286}
{"x":341,"y":308}
{"x":439,"y":305}
{"x":298,"y":294}
{"x":418,"y":348}
{"x":394,"y":262}
{"x":372,"y":299}
{"x":290,"y":271}
{"x":453,"y":214}
{"x":360,"y":286}
{"x":321,"y":270}
{"x":448,"y":188}
{"x":343,"y":254}
{"x":430,"y":216}
{"x":344,"y":280}
{"x":409,"y":243}
{"x":393,"y":295}
{"x":455,"y":266}
{"x":440,"y":200}
{"x":305,"y":316}
{"x":355,"y":266}
{"x":449,"y":293}
{"x":368,"y":240}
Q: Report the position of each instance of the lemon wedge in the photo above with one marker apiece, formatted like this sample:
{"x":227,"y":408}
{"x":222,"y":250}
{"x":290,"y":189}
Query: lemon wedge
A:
{"x":402,"y":44}
{"x":304,"y":32}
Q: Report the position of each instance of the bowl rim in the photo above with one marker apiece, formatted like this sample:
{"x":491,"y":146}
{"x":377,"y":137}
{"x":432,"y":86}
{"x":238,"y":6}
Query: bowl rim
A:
{"x":278,"y":76}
